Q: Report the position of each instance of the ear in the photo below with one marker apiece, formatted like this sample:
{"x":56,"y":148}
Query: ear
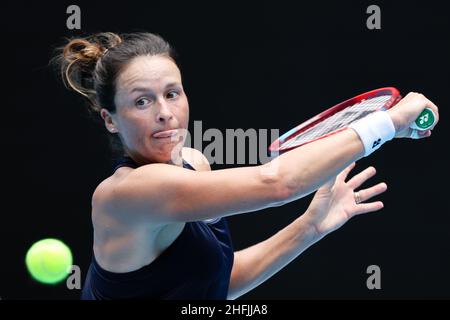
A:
{"x":109,"y":121}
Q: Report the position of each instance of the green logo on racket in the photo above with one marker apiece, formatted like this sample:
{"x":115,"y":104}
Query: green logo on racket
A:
{"x":425,"y":119}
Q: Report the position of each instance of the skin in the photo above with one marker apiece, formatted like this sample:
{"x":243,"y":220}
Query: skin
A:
{"x":149,"y":97}
{"x":118,"y":244}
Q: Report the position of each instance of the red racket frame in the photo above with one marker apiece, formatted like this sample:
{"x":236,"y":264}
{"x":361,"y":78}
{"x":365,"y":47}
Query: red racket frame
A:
{"x":274,"y":147}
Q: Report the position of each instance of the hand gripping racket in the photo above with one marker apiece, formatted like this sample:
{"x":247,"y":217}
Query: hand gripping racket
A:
{"x":339,"y":117}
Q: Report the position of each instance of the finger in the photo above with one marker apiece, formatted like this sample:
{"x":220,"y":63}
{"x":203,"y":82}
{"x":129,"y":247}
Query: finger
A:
{"x":368,"y":193}
{"x":424,"y":133}
{"x":418,"y":134}
{"x":427,"y":133}
{"x":343,"y":175}
{"x":361,"y":177}
{"x":368,"y":207}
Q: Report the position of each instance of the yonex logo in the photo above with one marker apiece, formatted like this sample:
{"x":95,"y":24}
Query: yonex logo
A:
{"x":375,"y":143}
{"x":423,"y":119}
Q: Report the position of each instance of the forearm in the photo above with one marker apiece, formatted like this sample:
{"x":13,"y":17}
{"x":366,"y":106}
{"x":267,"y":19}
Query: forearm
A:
{"x":254,"y":265}
{"x":306,"y":168}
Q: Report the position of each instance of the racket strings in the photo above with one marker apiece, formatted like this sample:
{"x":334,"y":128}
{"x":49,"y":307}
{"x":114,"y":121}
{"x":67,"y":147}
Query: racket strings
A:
{"x":339,"y":120}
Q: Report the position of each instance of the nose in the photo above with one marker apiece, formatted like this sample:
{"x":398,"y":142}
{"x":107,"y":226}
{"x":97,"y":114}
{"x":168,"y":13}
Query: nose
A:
{"x":163,"y":114}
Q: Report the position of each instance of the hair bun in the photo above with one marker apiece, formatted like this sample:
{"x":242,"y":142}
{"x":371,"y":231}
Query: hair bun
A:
{"x":79,"y":58}
{"x":82,"y":49}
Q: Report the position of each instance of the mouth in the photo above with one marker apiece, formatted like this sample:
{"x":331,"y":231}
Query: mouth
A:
{"x":165,"y":134}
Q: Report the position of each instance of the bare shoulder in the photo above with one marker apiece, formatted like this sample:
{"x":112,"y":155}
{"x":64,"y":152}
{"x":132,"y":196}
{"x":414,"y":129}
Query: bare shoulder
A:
{"x":135,"y":195}
{"x":196,"y":159}
{"x":103,"y":190}
{"x":119,"y":234}
{"x":107,"y":191}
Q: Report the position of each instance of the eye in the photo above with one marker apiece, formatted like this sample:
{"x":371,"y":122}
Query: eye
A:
{"x":142,"y":102}
{"x":172,"y":94}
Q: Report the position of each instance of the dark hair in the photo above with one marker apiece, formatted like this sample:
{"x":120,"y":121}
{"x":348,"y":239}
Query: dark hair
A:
{"x":91,"y":65}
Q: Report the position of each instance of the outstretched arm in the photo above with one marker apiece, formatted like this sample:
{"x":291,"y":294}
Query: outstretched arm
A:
{"x":161,"y":194}
{"x":332,"y":205}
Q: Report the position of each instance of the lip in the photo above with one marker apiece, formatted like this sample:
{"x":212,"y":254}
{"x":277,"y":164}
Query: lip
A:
{"x":165,"y":133}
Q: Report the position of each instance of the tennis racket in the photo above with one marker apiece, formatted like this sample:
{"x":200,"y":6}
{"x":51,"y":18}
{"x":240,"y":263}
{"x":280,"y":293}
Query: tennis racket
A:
{"x":339,"y":117}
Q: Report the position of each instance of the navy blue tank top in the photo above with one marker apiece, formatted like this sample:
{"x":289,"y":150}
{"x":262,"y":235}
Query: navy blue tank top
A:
{"x":197,"y":265}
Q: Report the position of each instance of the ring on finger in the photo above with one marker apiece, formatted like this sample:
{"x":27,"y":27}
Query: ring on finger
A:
{"x":357,"y":197}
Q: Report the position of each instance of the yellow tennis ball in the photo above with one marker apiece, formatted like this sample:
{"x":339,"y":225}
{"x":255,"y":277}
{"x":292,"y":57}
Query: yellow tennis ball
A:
{"x":49,"y":261}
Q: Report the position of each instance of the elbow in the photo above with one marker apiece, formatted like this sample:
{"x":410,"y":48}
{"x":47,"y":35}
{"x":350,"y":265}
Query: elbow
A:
{"x":282,"y":187}
{"x":281,"y":195}
{"x":290,"y":187}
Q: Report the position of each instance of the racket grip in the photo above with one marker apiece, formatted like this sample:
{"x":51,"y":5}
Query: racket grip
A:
{"x":424,"y":121}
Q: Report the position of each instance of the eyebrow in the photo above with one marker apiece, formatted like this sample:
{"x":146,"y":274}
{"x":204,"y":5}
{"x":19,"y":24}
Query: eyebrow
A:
{"x":144,"y":89}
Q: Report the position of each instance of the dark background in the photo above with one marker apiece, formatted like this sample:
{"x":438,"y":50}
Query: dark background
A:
{"x":265,"y":64}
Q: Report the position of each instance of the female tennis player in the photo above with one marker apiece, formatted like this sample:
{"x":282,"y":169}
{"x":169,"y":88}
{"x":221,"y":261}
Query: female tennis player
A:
{"x":159,"y":219}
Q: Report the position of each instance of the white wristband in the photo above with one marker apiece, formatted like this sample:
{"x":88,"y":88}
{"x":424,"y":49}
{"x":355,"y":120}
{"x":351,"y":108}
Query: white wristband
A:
{"x":374,"y":130}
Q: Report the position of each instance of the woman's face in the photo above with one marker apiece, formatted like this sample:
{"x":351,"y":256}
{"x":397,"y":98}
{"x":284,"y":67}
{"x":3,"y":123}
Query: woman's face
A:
{"x":150,"y":101}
